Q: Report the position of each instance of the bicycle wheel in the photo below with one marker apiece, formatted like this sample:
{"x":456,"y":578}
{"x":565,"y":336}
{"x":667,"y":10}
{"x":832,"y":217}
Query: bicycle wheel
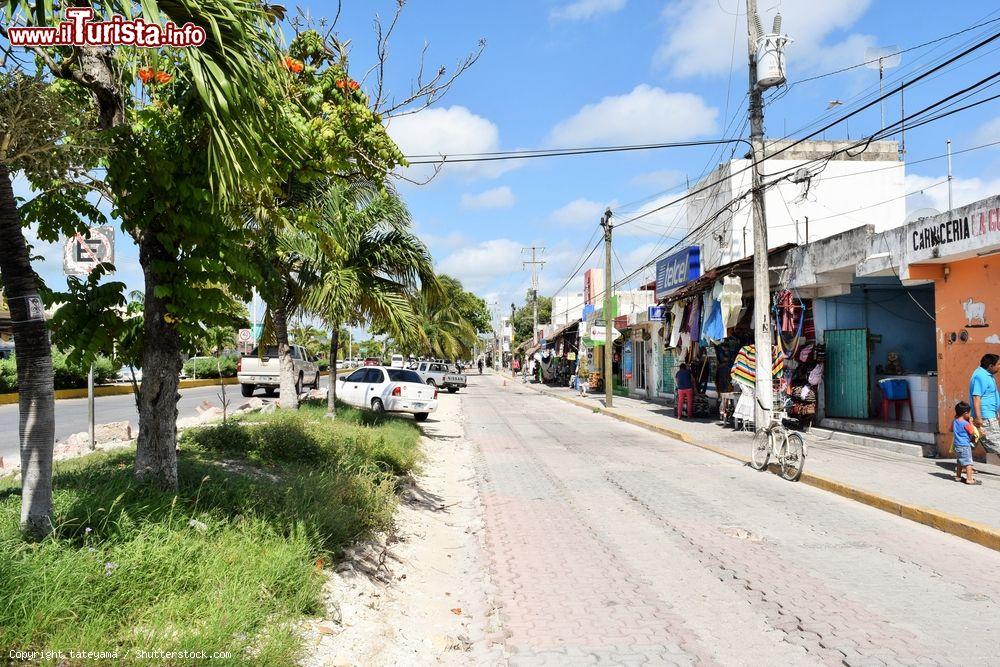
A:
{"x":761,"y":449}
{"x":793,"y":457}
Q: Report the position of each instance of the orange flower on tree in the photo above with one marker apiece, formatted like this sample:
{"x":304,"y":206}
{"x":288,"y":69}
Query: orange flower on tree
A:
{"x":354,"y":84}
{"x":146,"y":74}
{"x":293,"y":65}
{"x":163,"y":77}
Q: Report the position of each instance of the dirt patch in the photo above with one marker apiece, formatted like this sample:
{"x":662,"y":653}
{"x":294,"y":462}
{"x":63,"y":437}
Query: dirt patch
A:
{"x":420,"y":594}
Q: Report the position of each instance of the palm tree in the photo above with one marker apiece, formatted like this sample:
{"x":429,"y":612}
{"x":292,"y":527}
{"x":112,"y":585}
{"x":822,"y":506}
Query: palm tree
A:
{"x":35,"y":123}
{"x":365,"y":264}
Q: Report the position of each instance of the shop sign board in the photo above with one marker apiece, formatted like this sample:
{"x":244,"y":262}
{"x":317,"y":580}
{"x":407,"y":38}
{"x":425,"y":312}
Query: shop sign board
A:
{"x":971,"y":227}
{"x":656,"y":313}
{"x":677,"y":270}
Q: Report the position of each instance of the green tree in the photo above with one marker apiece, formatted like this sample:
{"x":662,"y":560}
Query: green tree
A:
{"x":524,"y":317}
{"x":343,"y":139}
{"x":362,"y":265}
{"x":314,"y":340}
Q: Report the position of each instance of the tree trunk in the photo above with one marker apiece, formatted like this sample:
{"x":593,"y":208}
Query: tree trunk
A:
{"x":156,"y":448}
{"x":286,"y":367}
{"x":36,"y":404}
{"x":331,"y":396}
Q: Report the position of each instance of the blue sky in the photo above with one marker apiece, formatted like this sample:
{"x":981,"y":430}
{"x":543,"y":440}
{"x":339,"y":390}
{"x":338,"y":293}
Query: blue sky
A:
{"x":565,"y":73}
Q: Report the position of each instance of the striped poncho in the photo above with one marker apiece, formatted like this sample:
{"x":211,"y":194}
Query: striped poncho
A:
{"x":745,"y":368}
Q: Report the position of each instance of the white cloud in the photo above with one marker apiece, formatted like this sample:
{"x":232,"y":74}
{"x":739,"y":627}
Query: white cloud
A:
{"x":580,"y":212}
{"x":989,"y":132}
{"x":479,"y":264}
{"x":645,"y":115}
{"x":448,"y":131}
{"x":964,"y":191}
{"x":663,"y":179}
{"x":699,"y":35}
{"x":586,"y":9}
{"x":660,"y":216}
{"x":500,"y":197}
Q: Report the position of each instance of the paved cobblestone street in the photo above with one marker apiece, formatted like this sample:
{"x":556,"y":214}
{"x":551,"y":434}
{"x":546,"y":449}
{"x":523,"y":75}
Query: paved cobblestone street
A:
{"x":610,"y":544}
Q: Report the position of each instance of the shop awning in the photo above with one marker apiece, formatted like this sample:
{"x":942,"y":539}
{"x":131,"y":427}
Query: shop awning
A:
{"x":742,"y":267}
{"x":572,"y":326}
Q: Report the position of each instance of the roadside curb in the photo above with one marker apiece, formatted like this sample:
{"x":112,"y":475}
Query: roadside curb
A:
{"x":116,"y":390}
{"x":972,"y":531}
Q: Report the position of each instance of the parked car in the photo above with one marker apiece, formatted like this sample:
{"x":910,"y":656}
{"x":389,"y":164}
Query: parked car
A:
{"x":373,"y":361}
{"x":261,"y":370}
{"x":397,"y":361}
{"x":125,"y":374}
{"x":439,"y":375}
{"x":388,"y":390}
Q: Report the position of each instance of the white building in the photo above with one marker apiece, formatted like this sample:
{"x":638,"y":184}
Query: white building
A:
{"x":567,"y":307}
{"x":866,"y":188}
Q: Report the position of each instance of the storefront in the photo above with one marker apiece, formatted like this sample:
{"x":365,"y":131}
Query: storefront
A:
{"x":878,"y":334}
{"x":958,"y":253}
{"x":708,"y":319}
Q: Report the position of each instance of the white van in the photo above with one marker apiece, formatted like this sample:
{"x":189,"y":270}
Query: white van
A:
{"x":397,"y":361}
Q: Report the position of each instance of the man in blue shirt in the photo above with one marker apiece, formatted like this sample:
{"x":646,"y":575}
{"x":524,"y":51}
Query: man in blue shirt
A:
{"x":985,"y":400}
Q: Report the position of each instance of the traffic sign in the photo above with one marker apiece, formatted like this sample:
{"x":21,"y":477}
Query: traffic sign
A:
{"x":83,"y":252}
{"x":245,"y":336}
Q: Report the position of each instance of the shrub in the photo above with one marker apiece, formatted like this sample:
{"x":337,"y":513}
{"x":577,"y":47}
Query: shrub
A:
{"x":8,"y":375}
{"x":208,"y":367}
{"x":68,"y":375}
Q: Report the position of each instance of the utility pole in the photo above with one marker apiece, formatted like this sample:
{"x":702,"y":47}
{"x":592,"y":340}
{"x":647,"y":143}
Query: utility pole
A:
{"x":608,"y":319}
{"x":761,"y":276}
{"x":535,"y":265}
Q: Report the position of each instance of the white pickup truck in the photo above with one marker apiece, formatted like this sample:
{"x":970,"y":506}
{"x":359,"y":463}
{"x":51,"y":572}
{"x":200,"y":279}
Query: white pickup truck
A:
{"x":261,"y":370}
{"x":440,"y":376}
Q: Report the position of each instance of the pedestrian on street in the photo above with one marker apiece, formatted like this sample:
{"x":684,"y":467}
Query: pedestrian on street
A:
{"x":480,"y":366}
{"x":963,"y":437}
{"x":985,"y":400}
{"x":684,"y":388}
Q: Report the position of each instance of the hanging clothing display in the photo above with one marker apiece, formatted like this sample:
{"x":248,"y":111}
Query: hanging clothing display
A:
{"x":676,"y":322}
{"x":731,"y":300}
{"x":686,"y":318}
{"x":745,"y":368}
{"x":715,"y":329}
{"x":694,"y":319}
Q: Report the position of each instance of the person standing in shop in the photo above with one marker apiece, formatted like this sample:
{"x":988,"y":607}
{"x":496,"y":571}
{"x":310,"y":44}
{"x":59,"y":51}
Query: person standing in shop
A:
{"x":684,"y":389}
{"x":985,"y":401}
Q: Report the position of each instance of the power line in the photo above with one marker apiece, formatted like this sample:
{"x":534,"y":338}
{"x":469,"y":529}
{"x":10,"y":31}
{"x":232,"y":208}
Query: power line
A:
{"x":558,"y":152}
{"x":868,"y":140}
{"x":895,"y":53}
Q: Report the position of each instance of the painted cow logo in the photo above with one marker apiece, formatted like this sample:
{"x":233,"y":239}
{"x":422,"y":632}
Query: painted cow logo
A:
{"x":975,"y":313}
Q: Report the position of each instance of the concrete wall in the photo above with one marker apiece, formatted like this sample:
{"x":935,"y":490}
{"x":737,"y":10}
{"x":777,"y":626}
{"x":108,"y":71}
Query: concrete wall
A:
{"x":566,"y":307}
{"x":977,"y":278}
{"x":832,"y":201}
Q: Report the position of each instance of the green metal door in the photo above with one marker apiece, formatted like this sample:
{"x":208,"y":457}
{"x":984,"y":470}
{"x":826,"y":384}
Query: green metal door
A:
{"x":845,"y":375}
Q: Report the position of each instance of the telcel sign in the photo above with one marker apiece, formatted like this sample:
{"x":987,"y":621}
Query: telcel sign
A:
{"x":677,"y":270}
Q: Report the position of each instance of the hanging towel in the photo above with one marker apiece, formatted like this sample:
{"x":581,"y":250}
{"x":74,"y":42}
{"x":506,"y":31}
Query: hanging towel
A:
{"x":677,"y":321}
{"x":686,"y":318}
{"x":732,"y":300}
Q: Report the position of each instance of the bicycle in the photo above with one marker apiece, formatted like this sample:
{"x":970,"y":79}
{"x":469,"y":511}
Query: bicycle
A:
{"x":775,"y":440}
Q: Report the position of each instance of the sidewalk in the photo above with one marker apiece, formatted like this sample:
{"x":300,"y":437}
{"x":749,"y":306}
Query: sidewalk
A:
{"x":921,"y":490}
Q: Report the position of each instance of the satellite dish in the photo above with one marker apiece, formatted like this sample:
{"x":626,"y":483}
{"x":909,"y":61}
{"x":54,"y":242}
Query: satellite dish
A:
{"x":921,"y":213}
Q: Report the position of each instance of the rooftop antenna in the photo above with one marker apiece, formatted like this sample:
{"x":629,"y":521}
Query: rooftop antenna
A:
{"x":882,"y":58}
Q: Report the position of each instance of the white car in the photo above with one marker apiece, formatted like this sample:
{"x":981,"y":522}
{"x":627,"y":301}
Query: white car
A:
{"x":397,"y":361}
{"x":261,"y":370}
{"x":388,"y":390}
